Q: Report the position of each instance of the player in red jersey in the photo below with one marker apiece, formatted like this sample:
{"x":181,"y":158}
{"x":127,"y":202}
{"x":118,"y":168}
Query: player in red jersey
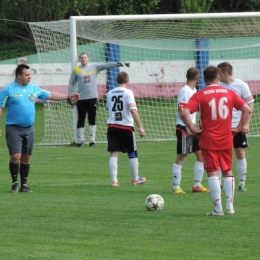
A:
{"x":215,"y":104}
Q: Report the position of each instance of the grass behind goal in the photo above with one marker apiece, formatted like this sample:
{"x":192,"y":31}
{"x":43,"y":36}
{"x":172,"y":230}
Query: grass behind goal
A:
{"x":73,"y":213}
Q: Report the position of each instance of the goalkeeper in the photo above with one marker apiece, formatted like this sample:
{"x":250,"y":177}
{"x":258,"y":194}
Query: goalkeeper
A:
{"x":86,"y":75}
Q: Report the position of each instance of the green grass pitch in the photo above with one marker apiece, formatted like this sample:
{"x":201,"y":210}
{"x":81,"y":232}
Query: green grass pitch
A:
{"x":73,"y":213}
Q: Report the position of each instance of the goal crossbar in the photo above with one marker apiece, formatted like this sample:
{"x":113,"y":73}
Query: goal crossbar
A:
{"x":165,"y":16}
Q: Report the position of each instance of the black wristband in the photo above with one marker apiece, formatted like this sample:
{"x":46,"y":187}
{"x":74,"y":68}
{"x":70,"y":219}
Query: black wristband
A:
{"x":69,"y":101}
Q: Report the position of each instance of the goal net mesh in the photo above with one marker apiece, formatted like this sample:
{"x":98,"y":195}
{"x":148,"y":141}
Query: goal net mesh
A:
{"x":159,"y":51}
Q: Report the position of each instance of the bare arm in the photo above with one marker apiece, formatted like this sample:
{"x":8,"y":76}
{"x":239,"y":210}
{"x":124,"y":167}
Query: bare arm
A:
{"x":59,"y":97}
{"x":185,"y":116}
{"x":244,"y":120}
{"x":245,"y":128}
{"x":137,"y":120}
{"x":180,"y":108}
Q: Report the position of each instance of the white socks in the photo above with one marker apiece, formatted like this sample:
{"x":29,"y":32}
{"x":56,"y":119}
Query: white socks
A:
{"x":176,"y":175}
{"x":134,"y":165}
{"x":219,"y":176}
{"x":198,"y":173}
{"x":113,"y":168}
{"x":229,"y":187}
{"x":92,"y":133}
{"x":80,"y":132}
{"x":242,"y":169}
{"x":215,"y":193}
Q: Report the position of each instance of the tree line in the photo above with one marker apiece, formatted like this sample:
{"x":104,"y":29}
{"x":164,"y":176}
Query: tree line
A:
{"x":14,"y":14}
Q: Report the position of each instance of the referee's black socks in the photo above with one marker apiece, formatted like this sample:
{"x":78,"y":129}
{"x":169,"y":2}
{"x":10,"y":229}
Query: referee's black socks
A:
{"x":24,"y":172}
{"x":14,"y":170}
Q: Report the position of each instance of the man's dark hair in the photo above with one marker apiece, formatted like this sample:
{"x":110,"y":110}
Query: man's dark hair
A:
{"x":122,"y":78}
{"x":226,"y":67}
{"x":20,"y":68}
{"x":192,"y":73}
{"x":210,"y":73}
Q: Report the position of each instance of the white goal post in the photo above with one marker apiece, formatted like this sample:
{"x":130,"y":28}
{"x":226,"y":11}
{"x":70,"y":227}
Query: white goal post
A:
{"x":160,"y":49}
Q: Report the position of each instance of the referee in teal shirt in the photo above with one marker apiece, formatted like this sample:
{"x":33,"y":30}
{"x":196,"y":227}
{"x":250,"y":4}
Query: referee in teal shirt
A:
{"x":19,"y":97}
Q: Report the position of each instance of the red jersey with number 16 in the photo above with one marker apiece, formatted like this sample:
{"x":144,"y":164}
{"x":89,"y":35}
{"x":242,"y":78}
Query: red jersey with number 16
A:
{"x":215,"y":104}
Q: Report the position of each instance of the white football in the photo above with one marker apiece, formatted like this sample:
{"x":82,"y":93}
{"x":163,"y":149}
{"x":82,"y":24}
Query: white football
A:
{"x":154,"y":202}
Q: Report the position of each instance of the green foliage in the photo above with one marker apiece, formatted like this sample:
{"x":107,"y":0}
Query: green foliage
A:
{"x":236,"y":5}
{"x":28,"y":11}
{"x":11,"y":50}
{"x":86,"y":7}
{"x":113,"y":7}
{"x":36,"y":10}
{"x":134,"y":7}
{"x":200,"y":6}
{"x":14,"y":15}
{"x":167,"y":7}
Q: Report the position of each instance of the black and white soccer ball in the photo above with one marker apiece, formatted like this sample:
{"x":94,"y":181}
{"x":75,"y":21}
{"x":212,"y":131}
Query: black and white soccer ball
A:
{"x":154,"y":202}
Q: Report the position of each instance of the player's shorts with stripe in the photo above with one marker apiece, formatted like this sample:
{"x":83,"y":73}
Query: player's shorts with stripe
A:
{"x":240,"y":141}
{"x":121,"y":139}
{"x":186,"y":143}
{"x":19,"y":139}
{"x":214,"y":158}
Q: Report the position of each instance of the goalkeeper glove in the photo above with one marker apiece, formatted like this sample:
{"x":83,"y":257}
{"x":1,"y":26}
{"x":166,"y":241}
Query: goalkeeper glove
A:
{"x":123,"y":64}
{"x":71,"y":102}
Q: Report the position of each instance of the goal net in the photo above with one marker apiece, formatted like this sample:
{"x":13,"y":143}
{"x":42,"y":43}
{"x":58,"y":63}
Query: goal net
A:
{"x":160,"y":49}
